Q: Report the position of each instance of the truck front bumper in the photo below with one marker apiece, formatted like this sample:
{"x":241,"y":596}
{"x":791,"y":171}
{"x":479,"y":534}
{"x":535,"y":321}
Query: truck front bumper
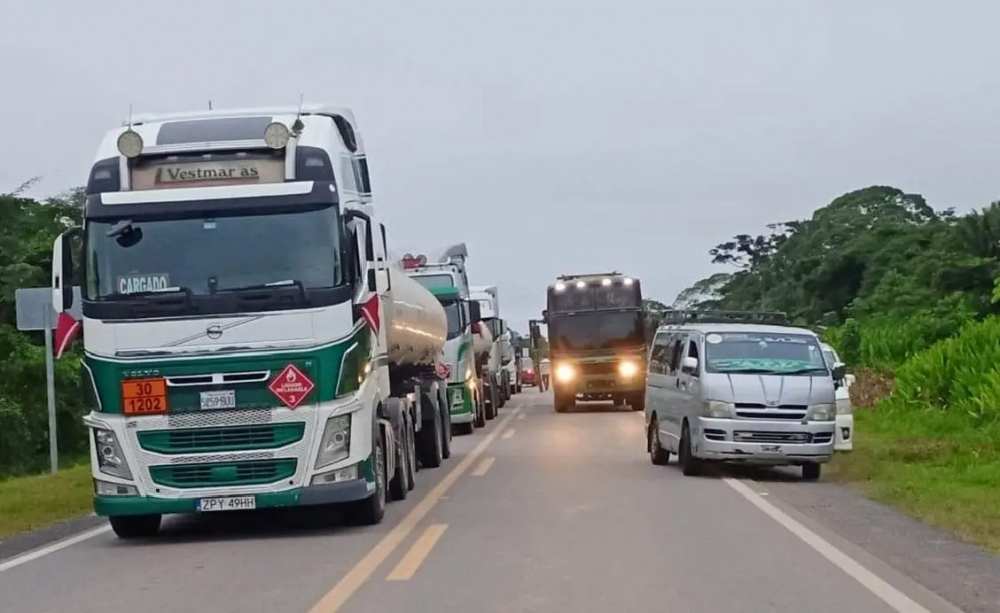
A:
{"x":462,"y":403}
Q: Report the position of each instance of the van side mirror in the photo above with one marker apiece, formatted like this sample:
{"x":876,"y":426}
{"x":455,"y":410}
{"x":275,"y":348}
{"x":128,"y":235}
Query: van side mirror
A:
{"x":62,"y":269}
{"x":689,"y":365}
{"x":839,"y":372}
{"x":475,"y":312}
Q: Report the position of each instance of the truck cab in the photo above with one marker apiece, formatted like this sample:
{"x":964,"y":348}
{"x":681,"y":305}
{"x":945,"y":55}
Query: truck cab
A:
{"x":494,"y":375}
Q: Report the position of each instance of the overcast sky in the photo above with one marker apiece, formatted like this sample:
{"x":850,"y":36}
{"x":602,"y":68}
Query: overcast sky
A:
{"x":550,"y":136}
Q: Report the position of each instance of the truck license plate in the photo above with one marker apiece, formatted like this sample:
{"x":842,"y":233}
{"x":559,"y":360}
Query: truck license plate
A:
{"x":771,"y":448}
{"x":225,"y":399}
{"x":227,"y":503}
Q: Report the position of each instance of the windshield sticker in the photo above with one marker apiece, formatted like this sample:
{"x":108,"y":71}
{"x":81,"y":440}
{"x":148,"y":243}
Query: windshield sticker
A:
{"x":134,"y":284}
{"x":715,"y":339}
{"x":798,"y":339}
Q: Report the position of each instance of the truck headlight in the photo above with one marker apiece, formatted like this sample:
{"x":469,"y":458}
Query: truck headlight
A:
{"x":824,"y":412}
{"x":627,"y":369}
{"x":716,"y":409}
{"x":110,"y":459}
{"x":336,"y":442}
{"x":564,"y":373}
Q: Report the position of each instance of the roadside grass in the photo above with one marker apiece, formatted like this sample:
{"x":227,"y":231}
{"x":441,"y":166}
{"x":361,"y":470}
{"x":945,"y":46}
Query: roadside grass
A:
{"x":30,"y":503}
{"x":925,"y":464}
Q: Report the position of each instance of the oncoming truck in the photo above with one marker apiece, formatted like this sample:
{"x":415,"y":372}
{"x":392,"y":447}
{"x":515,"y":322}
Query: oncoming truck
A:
{"x":446,"y":278}
{"x":247,"y":342}
{"x":596,"y":339}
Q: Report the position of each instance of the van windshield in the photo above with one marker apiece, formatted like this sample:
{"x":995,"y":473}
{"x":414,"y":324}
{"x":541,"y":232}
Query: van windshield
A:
{"x":764,"y":353}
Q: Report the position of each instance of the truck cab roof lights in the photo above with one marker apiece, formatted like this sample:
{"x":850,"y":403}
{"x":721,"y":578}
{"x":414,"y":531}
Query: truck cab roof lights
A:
{"x":277,"y":135}
{"x":130,"y":143}
{"x":628,"y":281}
{"x":605,"y":282}
{"x":581,"y":284}
{"x":560,"y":286}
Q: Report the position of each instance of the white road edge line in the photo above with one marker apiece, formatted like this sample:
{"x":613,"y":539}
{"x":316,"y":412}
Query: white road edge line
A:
{"x":890,"y":595}
{"x":54,"y":547}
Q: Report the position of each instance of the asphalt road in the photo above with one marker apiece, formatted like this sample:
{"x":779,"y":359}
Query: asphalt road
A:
{"x":539,"y":512}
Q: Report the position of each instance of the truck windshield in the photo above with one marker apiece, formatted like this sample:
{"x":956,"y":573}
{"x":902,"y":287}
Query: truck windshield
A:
{"x":763,"y":353}
{"x":591,"y":331}
{"x":208,"y":254}
{"x":453,"y":310}
{"x":434,"y":281}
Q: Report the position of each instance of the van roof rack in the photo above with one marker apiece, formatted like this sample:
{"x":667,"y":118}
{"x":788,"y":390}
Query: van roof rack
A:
{"x":769,"y":318}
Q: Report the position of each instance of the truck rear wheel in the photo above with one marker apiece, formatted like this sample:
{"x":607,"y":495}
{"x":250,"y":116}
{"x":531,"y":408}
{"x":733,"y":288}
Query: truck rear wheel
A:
{"x":399,"y":486}
{"x":493,"y":403}
{"x":479,"y":421}
{"x":563,"y":401}
{"x":135,"y":526}
{"x":430,"y":440}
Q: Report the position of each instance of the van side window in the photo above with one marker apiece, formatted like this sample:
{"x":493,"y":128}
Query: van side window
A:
{"x":677,"y":345}
{"x":658,"y":354}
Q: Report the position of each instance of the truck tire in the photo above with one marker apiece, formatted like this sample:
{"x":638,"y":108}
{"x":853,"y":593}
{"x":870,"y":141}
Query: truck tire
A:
{"x":492,"y":408}
{"x":371,"y":510}
{"x":399,"y":485}
{"x":446,"y":430}
{"x":135,"y":526}
{"x":637,"y":401}
{"x":563,"y":402}
{"x":430,"y":439}
{"x":479,"y":421}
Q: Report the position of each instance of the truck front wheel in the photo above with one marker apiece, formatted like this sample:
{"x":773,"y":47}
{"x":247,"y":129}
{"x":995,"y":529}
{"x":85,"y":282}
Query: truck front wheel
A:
{"x":135,"y":526}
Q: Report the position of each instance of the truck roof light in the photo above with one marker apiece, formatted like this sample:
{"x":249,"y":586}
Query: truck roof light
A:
{"x":130,"y":143}
{"x":560,"y":286}
{"x":605,"y":282}
{"x":277,"y":135}
{"x":581,"y":284}
{"x":628,"y":281}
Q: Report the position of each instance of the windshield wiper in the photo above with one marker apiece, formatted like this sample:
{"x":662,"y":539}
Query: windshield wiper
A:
{"x":802,"y":371}
{"x":188,"y":294}
{"x":751,"y":371}
{"x":274,"y":284}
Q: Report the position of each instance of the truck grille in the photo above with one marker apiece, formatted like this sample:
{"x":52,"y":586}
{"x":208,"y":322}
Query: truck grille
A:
{"x":223,"y":473}
{"x":233,"y":438}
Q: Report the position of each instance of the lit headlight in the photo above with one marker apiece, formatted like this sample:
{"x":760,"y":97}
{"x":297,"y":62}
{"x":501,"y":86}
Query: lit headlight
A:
{"x":336,"y":443}
{"x":716,"y":409}
{"x":824,"y":412}
{"x":564,"y":372}
{"x":110,"y":459}
{"x":627,"y":369}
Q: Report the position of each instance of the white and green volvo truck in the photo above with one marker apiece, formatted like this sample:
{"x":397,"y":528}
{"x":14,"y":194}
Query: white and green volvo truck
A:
{"x":247,"y":343}
{"x":445,"y":276}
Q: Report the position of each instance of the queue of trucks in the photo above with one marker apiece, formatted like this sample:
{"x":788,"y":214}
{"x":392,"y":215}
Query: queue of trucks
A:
{"x":250,"y":342}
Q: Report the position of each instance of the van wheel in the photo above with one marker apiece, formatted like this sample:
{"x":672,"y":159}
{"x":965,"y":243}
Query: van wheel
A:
{"x":690,"y":465}
{"x":811,"y":471}
{"x":135,"y":526}
{"x":657,"y":454}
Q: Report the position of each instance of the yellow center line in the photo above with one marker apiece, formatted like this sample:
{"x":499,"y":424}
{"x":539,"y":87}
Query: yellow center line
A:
{"x":408,"y":566}
{"x":355,"y":578}
{"x":509,"y":433}
{"x":521,"y":416}
{"x":483,"y":467}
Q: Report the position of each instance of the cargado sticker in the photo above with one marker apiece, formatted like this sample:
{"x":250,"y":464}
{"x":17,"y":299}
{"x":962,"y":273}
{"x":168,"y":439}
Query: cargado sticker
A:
{"x":714,"y":339}
{"x":134,"y":284}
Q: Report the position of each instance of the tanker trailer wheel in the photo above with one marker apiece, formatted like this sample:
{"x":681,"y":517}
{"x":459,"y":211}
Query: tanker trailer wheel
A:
{"x":446,"y":426}
{"x":479,"y":421}
{"x":430,"y":440}
{"x":371,"y":510}
{"x":494,"y":404}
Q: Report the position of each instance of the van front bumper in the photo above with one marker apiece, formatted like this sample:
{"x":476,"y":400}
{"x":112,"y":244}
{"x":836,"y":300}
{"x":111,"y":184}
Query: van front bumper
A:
{"x":772,"y":443}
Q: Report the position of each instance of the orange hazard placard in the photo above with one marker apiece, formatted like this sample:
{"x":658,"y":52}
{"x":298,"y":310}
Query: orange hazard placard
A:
{"x":291,"y":386}
{"x":144,"y":396}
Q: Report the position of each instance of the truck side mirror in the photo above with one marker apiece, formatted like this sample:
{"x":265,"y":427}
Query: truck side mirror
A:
{"x":545,"y":317}
{"x":689,"y":365}
{"x":62,"y":270}
{"x":475,"y":313}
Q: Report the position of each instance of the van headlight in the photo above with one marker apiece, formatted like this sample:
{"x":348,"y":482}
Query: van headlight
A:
{"x":844,"y":407}
{"x":824,"y":412}
{"x":110,"y":459}
{"x":716,"y":409}
{"x":336,"y":442}
{"x":627,"y":369}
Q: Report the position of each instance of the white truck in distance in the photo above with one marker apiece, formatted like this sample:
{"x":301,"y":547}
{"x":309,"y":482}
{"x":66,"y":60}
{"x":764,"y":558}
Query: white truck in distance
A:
{"x":494,"y":378}
{"x":247,"y":344}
